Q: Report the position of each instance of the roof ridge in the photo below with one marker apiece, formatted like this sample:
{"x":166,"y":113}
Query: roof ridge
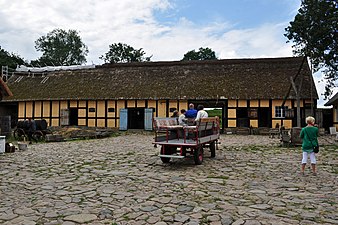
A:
{"x":198,"y":62}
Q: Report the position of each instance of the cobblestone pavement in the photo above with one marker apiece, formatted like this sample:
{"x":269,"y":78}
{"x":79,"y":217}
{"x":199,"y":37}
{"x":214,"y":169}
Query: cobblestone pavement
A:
{"x":121,"y":180}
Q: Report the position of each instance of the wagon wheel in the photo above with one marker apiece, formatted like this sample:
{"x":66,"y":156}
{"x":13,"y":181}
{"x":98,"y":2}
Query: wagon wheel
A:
{"x":198,"y":155}
{"x":38,"y":136}
{"x":184,"y":151}
{"x":164,"y":151}
{"x":19,"y":134}
{"x":213,"y":149}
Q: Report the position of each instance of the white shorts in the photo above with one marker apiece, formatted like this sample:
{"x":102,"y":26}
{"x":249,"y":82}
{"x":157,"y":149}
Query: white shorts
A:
{"x":312,"y":157}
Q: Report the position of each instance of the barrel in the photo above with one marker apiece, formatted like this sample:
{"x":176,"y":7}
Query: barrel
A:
{"x":23,"y":124}
{"x":41,"y":124}
{"x":5,"y":126}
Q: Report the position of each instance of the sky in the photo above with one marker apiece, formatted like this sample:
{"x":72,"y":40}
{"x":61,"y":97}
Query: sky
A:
{"x":164,"y":29}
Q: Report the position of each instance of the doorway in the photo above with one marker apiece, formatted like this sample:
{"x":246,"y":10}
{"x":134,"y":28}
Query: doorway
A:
{"x":136,"y":118}
{"x":242,"y":117}
{"x":264,"y":117}
{"x":73,"y":116}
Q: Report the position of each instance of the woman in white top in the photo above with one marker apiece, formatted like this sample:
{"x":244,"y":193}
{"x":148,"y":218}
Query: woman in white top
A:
{"x":201,"y":113}
{"x":181,"y":119}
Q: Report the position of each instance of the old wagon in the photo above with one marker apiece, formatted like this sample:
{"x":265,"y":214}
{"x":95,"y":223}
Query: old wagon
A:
{"x":178,"y":141}
{"x":24,"y":130}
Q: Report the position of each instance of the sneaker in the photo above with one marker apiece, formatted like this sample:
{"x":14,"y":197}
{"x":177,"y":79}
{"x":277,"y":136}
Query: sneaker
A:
{"x":314,"y":174}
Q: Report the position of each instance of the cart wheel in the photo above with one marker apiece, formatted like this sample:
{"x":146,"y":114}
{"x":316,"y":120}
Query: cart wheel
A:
{"x":213,"y":149}
{"x":184,"y":151}
{"x":198,"y":155}
{"x":38,"y":136}
{"x":19,"y":134}
{"x":163,"y":152}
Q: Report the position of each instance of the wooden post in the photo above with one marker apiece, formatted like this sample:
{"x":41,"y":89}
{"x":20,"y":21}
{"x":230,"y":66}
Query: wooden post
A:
{"x":297,"y":91}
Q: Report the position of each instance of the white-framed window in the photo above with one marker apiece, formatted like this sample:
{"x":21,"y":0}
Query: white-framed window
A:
{"x":280,"y":111}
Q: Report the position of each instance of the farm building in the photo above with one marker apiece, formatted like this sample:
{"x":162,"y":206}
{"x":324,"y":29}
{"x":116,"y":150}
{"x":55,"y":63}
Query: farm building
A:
{"x":249,"y":92}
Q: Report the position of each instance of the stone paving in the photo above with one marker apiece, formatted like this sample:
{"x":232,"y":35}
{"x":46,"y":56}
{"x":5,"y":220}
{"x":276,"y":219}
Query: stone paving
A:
{"x":121,"y":180}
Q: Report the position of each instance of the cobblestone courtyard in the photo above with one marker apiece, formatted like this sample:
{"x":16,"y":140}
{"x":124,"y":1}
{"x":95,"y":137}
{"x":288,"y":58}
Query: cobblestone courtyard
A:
{"x":121,"y":180}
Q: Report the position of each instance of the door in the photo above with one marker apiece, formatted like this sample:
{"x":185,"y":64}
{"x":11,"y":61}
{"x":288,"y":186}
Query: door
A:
{"x":264,"y":117}
{"x":148,"y":119}
{"x":64,"y":117}
{"x":123,"y":119}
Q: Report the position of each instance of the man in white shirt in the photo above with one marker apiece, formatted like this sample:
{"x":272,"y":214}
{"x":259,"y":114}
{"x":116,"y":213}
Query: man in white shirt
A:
{"x":201,"y":113}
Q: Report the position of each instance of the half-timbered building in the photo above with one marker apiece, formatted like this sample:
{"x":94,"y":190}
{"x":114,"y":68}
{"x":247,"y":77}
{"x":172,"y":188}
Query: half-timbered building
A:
{"x":250,"y":92}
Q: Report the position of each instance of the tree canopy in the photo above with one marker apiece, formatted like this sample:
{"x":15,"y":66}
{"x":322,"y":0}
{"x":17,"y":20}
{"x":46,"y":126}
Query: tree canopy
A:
{"x":201,"y":54}
{"x":60,"y":47}
{"x":314,"y":33}
{"x":10,"y":59}
{"x":123,"y":53}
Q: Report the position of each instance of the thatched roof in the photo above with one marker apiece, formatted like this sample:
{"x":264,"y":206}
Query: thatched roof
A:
{"x":4,"y":90}
{"x":216,"y":79}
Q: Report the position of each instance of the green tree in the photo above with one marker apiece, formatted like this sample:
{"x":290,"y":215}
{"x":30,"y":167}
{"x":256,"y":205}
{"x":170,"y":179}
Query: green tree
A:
{"x":60,"y":47}
{"x":201,"y":54}
{"x":10,"y":59}
{"x":123,"y":53}
{"x":314,"y":33}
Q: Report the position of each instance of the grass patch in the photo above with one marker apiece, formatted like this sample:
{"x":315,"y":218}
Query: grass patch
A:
{"x":126,"y":217}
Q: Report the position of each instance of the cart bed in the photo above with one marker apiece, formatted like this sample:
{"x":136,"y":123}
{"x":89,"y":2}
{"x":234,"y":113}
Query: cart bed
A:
{"x":176,"y":141}
{"x":188,"y":142}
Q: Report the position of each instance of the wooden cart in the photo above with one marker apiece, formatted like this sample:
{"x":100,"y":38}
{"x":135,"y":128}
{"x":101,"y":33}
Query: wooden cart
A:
{"x":178,"y":141}
{"x":22,"y":130}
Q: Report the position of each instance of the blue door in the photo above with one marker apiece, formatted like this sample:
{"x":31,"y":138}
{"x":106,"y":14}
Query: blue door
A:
{"x":123,"y":119}
{"x":148,"y":119}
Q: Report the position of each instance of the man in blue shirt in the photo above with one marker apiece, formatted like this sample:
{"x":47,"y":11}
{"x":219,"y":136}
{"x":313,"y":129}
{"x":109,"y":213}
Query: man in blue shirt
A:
{"x":192,"y":112}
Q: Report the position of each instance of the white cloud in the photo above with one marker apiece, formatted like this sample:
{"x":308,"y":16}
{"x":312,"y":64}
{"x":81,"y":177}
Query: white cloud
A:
{"x":103,"y":22}
{"x":99,"y":22}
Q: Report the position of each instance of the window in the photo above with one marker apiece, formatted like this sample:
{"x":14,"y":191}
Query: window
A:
{"x":289,"y":113}
{"x":280,"y":111}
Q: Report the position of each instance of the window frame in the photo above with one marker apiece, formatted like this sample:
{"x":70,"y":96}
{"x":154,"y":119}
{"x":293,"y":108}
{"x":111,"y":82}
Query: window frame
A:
{"x":280,"y":111}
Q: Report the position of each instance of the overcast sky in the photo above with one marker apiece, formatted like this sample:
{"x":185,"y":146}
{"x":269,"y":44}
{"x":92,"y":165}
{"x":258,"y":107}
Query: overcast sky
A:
{"x":165,"y":29}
